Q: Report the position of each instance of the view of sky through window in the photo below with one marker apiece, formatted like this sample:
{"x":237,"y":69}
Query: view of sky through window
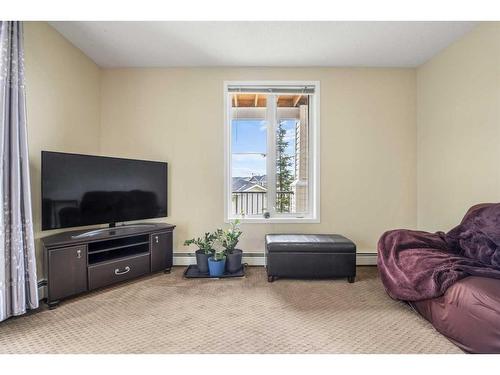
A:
{"x":249,"y":144}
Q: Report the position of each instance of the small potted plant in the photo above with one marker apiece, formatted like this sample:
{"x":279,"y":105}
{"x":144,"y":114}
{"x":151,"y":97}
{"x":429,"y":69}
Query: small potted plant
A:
{"x":217,"y":263}
{"x":229,"y":239}
{"x":205,"y":250}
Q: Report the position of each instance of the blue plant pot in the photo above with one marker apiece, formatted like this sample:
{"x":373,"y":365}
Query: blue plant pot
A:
{"x":216,"y":267}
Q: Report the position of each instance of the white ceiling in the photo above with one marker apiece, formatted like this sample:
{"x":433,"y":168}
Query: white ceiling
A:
{"x":238,"y":43}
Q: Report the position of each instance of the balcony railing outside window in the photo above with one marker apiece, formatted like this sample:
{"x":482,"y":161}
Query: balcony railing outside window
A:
{"x":255,"y":202}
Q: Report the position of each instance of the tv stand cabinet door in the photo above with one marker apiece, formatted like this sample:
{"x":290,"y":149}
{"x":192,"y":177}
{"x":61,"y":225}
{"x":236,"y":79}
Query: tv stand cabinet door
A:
{"x":161,"y":251}
{"x":67,"y":274}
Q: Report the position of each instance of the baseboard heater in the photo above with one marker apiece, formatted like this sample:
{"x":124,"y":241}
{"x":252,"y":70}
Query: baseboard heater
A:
{"x":258,"y":259}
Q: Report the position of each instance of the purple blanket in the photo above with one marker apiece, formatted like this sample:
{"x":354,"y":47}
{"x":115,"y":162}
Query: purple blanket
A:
{"x":416,"y":265}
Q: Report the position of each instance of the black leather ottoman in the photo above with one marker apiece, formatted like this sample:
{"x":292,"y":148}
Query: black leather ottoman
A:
{"x":310,"y":256}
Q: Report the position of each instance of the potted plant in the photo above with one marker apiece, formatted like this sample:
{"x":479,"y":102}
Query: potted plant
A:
{"x":217,"y":263}
{"x":229,"y":239}
{"x":205,"y":250}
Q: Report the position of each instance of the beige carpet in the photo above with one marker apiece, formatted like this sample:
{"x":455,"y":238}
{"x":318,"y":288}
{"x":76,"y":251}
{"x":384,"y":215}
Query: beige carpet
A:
{"x":170,"y":314}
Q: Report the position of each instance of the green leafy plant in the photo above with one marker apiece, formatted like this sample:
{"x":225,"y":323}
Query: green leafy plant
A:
{"x":219,"y":254}
{"x":229,"y":238}
{"x":205,"y":244}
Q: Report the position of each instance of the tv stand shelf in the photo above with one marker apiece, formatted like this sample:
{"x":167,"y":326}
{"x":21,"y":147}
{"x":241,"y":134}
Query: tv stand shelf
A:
{"x":76,"y":263}
{"x":117,"y":247}
{"x":104,"y":256}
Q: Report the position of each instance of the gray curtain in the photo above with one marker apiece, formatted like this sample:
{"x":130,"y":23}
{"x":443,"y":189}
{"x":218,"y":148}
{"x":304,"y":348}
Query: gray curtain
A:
{"x":18,"y":281}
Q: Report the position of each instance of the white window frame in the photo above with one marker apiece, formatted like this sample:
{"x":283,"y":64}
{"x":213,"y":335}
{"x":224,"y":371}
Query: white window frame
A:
{"x":314,"y":159}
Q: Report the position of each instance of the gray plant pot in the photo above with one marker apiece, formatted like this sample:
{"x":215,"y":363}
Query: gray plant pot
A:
{"x":233,"y":261}
{"x":202,"y":261}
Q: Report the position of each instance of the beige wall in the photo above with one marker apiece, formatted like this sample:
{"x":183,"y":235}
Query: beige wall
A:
{"x":458,"y":139}
{"x":63,"y":102}
{"x":368,"y":148}
{"x":371,"y":179}
{"x":368,"y":127}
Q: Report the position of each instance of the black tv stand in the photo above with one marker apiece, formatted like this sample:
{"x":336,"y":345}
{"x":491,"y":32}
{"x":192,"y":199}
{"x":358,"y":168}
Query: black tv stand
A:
{"x":76,"y":262}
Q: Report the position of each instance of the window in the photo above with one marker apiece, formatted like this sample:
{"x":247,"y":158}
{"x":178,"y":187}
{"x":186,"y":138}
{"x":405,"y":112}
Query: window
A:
{"x":272,"y":148}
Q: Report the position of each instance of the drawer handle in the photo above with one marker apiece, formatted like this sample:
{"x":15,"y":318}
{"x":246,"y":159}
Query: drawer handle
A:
{"x":125,"y":270}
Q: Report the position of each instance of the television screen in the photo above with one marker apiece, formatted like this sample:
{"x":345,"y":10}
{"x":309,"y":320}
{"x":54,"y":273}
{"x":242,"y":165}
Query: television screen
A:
{"x":82,"y":190}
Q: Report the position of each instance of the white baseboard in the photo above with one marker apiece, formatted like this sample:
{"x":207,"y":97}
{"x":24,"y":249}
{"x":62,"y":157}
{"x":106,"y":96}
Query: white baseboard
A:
{"x":366,"y":259}
{"x":258,"y":259}
{"x":42,"y":289}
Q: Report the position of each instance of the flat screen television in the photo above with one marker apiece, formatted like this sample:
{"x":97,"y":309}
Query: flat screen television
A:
{"x":80,"y":190}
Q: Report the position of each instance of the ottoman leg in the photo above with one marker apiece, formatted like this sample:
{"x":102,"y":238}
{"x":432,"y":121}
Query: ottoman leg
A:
{"x":270,"y":279}
{"x":351,"y":279}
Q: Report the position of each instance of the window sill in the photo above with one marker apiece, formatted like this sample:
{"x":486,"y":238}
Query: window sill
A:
{"x":275,"y":220}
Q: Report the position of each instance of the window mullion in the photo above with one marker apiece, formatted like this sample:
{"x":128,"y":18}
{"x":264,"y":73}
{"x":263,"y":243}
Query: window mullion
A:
{"x":271,"y":154}
{"x":228,"y":156}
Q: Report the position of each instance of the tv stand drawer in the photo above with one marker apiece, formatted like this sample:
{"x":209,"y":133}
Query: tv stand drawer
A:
{"x":120,"y":270}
